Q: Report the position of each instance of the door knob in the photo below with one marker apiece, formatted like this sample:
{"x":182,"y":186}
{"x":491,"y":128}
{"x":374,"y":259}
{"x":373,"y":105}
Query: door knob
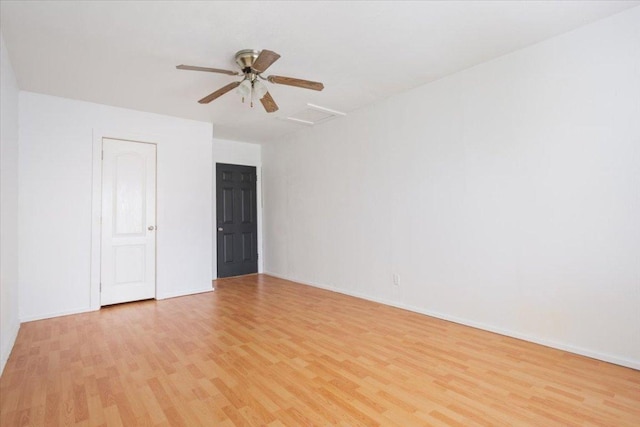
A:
{"x":151,"y":228}
{"x":219,"y":228}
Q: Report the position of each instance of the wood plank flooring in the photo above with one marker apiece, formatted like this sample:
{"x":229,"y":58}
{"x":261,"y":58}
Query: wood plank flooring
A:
{"x":265,"y":351}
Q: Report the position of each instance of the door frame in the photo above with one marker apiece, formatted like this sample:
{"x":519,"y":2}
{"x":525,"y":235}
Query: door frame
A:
{"x":96,"y":202}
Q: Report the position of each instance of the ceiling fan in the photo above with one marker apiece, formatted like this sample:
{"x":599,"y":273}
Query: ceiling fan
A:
{"x":252,"y":64}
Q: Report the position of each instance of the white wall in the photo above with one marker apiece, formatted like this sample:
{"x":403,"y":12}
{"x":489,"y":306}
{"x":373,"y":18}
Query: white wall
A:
{"x":56,"y":189}
{"x":506,"y":196}
{"x":238,"y":153}
{"x":9,"y":319}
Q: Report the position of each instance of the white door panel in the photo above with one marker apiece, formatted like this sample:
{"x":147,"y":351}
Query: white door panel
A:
{"x":128,"y":221}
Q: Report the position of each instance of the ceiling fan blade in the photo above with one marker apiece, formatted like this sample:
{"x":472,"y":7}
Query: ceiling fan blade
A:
{"x":290,"y":81}
{"x":264,"y":60}
{"x":207,"y":99}
{"x":268,"y":103}
{"x":210,"y":70}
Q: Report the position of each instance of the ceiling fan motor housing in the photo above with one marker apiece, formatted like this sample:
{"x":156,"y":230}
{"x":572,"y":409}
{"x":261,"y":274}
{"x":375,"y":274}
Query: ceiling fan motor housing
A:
{"x":245,"y":59}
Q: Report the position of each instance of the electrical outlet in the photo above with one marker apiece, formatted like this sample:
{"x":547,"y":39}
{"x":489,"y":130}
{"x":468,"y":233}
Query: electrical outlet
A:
{"x":396,"y":279}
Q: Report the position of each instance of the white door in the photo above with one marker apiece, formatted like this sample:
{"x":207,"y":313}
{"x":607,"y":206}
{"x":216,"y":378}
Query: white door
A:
{"x":128,"y":264}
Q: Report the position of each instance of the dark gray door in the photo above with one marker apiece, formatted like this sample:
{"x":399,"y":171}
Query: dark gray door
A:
{"x":237,"y":222}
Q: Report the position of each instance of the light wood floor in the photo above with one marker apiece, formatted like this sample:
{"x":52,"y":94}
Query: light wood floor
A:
{"x":264,"y":351}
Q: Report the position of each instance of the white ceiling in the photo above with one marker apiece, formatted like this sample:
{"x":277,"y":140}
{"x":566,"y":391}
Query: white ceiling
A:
{"x":124,"y":53}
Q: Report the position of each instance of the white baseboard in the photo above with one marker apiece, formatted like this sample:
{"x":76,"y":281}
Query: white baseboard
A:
{"x":8,"y":346}
{"x":183,"y":293}
{"x":629,"y":363}
{"x":34,"y":317}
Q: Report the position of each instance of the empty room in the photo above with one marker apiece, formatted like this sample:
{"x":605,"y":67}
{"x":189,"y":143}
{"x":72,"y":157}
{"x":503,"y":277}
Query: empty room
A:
{"x":356,"y":213}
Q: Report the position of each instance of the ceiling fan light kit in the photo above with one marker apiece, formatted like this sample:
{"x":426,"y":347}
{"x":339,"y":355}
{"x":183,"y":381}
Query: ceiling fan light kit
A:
{"x":252,"y":64}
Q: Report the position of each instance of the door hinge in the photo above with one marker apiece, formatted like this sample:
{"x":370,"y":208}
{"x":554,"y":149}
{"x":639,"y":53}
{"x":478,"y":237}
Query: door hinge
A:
{"x":102,"y":155}
{"x":100,"y":286}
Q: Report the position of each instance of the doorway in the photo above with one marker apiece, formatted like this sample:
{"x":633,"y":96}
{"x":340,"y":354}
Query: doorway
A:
{"x":128,"y":222}
{"x":236,"y":220}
